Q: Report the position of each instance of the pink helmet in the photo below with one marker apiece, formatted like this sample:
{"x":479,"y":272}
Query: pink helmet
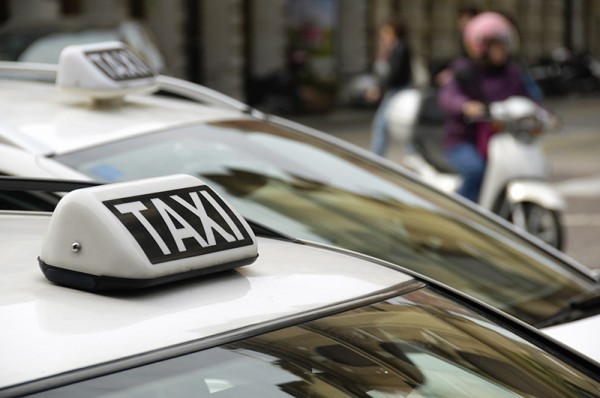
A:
{"x":485,"y":27}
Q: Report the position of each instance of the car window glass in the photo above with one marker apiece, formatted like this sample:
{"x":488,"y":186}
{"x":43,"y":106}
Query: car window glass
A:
{"x":313,"y":190}
{"x":18,"y":200}
{"x":416,"y":345}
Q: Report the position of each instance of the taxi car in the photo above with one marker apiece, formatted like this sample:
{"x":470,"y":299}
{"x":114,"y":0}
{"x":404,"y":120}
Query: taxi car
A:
{"x":101,"y":124}
{"x":159,"y":288}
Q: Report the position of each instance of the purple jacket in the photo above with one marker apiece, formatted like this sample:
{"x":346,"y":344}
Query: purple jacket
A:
{"x":492,"y":85}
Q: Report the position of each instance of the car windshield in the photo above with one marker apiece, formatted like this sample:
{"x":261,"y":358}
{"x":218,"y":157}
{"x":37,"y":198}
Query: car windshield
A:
{"x":314,"y":190}
{"x":420,"y":344}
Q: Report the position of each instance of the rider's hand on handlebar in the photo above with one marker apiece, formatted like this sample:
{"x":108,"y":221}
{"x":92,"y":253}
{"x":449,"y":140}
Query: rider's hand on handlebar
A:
{"x":473,"y":109}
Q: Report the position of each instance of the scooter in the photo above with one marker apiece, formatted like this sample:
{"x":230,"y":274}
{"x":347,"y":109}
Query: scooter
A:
{"x":515,"y":184}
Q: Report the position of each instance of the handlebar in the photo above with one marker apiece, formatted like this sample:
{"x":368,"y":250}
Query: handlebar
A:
{"x":519,"y":115}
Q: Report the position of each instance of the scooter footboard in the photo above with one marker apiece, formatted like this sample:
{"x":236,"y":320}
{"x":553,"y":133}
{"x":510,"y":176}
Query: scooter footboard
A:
{"x":539,"y":192}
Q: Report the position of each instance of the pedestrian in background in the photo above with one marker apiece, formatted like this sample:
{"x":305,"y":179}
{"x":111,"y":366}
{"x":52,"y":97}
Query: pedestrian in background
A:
{"x":443,"y":72}
{"x":393,"y":68}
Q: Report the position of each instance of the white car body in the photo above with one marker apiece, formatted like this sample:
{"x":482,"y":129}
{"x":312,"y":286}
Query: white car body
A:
{"x":55,"y":337}
{"x":50,"y":322}
{"x":581,"y":335}
{"x":56,"y":123}
{"x":38,"y":121}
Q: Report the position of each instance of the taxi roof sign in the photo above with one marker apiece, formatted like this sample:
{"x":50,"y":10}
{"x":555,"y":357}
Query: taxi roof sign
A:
{"x":104,"y":71}
{"x":143,"y":233}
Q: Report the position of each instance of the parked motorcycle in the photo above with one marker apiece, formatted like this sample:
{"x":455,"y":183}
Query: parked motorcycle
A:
{"x":515,"y":185}
{"x":565,"y":73}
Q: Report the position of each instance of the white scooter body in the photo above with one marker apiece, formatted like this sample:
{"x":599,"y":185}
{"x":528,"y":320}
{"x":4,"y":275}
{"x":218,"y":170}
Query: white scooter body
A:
{"x":515,"y":183}
{"x":519,"y":169}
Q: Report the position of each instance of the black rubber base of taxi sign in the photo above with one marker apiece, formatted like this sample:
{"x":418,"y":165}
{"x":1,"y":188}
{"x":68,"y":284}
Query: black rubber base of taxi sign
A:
{"x":98,"y":283}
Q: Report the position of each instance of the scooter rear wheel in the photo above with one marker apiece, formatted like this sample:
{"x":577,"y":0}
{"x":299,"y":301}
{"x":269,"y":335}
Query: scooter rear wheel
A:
{"x":539,"y":221}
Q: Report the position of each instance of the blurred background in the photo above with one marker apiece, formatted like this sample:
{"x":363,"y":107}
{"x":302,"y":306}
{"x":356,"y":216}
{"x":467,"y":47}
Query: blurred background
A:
{"x":300,"y":56}
{"x":311,"y":60}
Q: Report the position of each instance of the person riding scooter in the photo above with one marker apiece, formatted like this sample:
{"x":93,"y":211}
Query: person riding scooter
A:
{"x":492,"y":135}
{"x":486,"y":75}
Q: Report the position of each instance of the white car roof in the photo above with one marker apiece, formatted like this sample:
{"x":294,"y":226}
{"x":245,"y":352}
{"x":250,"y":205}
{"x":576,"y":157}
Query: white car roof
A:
{"x":49,"y":329}
{"x":64,"y":122}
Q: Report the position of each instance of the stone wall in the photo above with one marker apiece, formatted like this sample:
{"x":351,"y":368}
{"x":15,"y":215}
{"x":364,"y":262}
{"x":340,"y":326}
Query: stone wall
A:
{"x":229,"y":31}
{"x":222,"y":33}
{"x":434,"y":34}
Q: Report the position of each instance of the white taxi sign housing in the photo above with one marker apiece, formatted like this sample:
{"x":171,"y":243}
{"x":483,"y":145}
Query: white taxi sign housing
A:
{"x":104,"y":71}
{"x":143,"y":233}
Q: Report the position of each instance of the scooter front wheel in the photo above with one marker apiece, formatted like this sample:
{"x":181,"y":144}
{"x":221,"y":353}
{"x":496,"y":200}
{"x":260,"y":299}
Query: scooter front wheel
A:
{"x":539,"y":221}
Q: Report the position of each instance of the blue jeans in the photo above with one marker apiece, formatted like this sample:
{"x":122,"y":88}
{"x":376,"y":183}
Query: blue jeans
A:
{"x":471,"y":166}
{"x":380,"y":137}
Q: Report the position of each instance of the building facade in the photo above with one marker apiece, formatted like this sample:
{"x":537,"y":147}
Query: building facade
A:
{"x":236,"y":46}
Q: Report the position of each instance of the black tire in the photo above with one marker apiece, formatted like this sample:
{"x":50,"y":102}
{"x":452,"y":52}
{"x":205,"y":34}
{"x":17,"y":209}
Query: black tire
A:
{"x":540,"y":222}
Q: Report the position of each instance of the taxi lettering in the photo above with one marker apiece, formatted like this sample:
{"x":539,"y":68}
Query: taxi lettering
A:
{"x":178,"y":224}
{"x":120,"y":64}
